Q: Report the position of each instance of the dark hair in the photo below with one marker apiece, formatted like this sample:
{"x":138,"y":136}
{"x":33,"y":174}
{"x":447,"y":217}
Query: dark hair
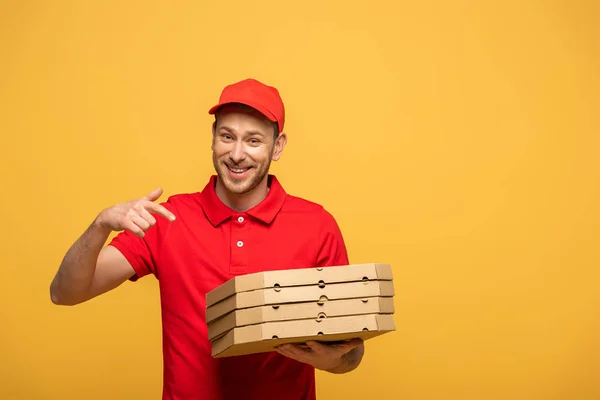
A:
{"x":273,"y":124}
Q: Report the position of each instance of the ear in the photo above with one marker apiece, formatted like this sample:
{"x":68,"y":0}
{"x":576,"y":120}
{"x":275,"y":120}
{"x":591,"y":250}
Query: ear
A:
{"x":279,"y":146}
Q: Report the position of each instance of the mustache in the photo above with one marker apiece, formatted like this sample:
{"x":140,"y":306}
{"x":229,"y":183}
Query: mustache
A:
{"x":233,"y":165}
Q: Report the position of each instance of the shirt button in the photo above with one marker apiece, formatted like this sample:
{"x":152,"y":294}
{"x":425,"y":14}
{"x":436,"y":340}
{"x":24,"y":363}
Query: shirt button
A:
{"x":240,"y":243}
{"x":241,"y":219}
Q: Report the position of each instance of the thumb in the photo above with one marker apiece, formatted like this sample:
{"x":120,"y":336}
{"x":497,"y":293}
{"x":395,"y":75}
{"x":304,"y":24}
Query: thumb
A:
{"x":153,"y":195}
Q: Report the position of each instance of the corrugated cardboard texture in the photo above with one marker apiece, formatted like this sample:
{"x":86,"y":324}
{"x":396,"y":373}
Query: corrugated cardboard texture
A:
{"x":294,"y":311}
{"x":297,"y":294}
{"x":264,"y":337}
{"x":299,"y":277}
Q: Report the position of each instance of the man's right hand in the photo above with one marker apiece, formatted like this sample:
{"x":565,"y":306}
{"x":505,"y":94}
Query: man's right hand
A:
{"x":135,"y":215}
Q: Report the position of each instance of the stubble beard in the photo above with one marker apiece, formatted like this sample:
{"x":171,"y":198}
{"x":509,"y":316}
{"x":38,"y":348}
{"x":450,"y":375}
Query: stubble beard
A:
{"x":245,"y":185}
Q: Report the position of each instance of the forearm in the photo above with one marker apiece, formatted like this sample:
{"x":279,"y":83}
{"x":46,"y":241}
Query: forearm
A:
{"x":73,"y":280}
{"x":349,"y":361}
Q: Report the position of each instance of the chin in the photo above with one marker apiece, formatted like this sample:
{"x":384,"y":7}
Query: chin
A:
{"x":237,"y":186}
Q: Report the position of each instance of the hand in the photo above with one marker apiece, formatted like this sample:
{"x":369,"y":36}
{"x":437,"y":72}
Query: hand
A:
{"x":332,"y":357}
{"x":134,"y":215}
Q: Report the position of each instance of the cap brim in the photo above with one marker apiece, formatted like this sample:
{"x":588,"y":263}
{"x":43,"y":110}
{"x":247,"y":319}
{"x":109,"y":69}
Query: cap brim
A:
{"x":257,"y":107}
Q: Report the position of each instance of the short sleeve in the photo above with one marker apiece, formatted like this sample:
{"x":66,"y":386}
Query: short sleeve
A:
{"x":332,"y":249}
{"x":143,"y":253}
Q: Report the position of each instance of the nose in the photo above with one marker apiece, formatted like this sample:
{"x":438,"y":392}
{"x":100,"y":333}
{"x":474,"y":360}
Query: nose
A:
{"x":237,"y":153}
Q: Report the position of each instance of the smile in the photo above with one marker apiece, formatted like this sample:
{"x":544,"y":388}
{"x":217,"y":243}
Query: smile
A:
{"x":238,"y":173}
{"x":238,"y":170}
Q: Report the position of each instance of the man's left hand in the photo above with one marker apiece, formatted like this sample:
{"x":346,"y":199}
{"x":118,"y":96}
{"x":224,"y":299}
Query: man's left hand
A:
{"x":335,"y":357}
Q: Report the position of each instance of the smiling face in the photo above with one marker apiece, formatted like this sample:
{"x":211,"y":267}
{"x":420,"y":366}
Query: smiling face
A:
{"x":243,"y":147}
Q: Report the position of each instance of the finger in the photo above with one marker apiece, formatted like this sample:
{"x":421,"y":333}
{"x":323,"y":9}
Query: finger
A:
{"x":340,"y":348}
{"x":317,"y":347}
{"x":352,"y":344}
{"x":153,"y":195}
{"x":343,"y":348}
{"x":284,"y":349}
{"x":297,"y":351}
{"x":139,"y":221}
{"x":133,"y":228}
{"x":147,"y":216}
{"x":158,"y":209}
{"x":280,"y":351}
{"x":347,"y":343}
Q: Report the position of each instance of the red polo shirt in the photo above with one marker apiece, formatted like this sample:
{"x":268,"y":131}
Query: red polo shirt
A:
{"x":204,"y":247}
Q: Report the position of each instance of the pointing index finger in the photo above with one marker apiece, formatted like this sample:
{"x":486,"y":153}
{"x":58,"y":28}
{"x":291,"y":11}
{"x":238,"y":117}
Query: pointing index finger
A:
{"x":159,"y":209}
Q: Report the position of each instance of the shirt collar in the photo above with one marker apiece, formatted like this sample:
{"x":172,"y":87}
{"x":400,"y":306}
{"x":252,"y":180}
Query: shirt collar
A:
{"x":266,"y":211}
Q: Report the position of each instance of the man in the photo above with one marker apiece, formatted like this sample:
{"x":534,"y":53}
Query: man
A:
{"x":241,"y":222}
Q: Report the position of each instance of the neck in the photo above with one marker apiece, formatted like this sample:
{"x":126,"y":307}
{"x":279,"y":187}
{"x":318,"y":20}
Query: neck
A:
{"x":244,"y":201}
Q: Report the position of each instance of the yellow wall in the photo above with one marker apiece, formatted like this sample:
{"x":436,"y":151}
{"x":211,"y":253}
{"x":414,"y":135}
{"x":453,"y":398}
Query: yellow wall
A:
{"x":457,"y":141}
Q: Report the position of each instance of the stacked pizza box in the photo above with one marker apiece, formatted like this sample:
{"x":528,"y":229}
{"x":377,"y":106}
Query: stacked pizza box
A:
{"x":253,"y":313}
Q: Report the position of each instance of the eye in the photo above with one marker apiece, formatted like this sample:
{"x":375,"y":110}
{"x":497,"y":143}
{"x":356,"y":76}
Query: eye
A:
{"x":254,"y":141}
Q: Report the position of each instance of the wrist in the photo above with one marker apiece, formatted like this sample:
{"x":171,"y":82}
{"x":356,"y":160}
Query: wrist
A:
{"x":100,"y":224}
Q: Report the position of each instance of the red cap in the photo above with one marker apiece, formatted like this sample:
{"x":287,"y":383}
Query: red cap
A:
{"x":257,"y":95}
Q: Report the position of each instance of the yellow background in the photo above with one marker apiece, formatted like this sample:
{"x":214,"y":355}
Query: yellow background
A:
{"x":456,"y":140}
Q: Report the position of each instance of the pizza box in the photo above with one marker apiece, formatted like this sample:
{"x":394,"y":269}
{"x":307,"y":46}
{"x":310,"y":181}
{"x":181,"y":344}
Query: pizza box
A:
{"x":299,"y":294}
{"x":295,"y":311}
{"x":265,"y":337}
{"x":299,"y":277}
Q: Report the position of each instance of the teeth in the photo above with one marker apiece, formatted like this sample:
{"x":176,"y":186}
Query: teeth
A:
{"x":237,"y":170}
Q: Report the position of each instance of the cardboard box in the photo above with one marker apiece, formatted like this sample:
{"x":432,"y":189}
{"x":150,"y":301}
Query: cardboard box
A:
{"x":294,"y":311}
{"x":299,"y":277}
{"x":298,"y":294}
{"x":264,"y":337}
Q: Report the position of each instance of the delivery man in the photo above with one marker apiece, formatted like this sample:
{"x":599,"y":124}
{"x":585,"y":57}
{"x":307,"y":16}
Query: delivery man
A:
{"x":241,"y":222}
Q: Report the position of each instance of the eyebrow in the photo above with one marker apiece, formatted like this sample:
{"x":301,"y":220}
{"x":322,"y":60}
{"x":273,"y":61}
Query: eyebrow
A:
{"x":250,"y":133}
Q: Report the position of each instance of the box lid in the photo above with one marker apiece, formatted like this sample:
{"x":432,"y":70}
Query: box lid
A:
{"x":293,"y":311}
{"x":299,"y":277}
{"x":264,"y":337}
{"x":298,"y":294}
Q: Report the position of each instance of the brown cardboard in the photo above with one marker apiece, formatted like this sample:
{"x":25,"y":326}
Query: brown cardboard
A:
{"x":264,"y":337}
{"x":298,"y":294}
{"x":294,"y":311}
{"x":299,"y":277}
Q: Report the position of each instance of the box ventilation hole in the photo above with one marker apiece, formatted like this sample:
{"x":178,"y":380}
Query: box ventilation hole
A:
{"x":277,"y":287}
{"x":321,"y":284}
{"x":322,"y":300}
{"x":365,"y":279}
{"x":275,"y":307}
